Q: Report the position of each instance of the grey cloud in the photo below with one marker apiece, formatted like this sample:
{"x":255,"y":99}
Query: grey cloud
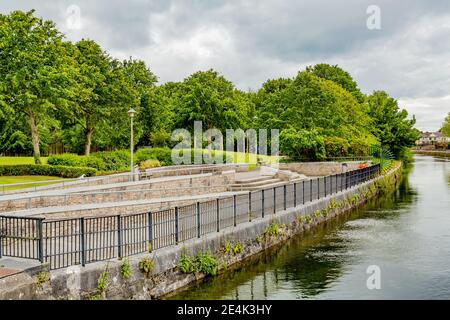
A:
{"x":251,"y":41}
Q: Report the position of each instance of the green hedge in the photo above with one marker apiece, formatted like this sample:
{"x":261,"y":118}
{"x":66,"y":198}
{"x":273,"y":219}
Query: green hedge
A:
{"x":46,"y":170}
{"x":163,"y":155}
{"x":102,"y":161}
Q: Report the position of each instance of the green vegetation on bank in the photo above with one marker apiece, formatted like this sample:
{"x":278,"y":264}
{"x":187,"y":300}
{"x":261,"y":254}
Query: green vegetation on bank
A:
{"x":54,"y":92}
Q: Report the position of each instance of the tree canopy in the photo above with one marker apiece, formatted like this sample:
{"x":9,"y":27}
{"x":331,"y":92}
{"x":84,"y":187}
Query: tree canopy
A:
{"x":55,"y":92}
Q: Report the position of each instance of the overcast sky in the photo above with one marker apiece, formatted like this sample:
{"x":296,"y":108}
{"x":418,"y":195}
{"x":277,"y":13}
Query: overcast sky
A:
{"x":252,"y":41}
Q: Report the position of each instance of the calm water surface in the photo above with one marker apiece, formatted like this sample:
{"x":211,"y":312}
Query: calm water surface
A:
{"x":406,"y":234}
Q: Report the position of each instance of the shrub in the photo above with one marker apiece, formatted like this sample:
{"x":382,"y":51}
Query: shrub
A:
{"x":46,"y":170}
{"x":336,"y":147}
{"x":149,"y":164}
{"x":66,"y":159}
{"x":302,"y":144}
{"x":259,"y":239}
{"x":163,"y":155}
{"x":118,"y":160}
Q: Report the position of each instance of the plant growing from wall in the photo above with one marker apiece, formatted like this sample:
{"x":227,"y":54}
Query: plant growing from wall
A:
{"x":273,"y":229}
{"x":42,"y":277}
{"x":206,"y":263}
{"x":308,"y":219}
{"x":186,"y":264}
{"x":125,"y":269}
{"x":146,"y":266}
{"x":317,"y":214}
{"x":259,"y":239}
{"x":238,"y":248}
{"x":333,"y":205}
{"x":324,"y":212}
{"x":102,"y":285}
{"x":228,"y":247}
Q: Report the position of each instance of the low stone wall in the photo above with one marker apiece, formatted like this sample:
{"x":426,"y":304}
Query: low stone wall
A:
{"x":81,"y":282}
{"x":148,"y":189}
{"x":319,"y":168}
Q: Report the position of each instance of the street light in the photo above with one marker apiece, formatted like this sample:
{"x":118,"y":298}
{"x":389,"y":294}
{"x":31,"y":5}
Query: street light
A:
{"x":131,"y":113}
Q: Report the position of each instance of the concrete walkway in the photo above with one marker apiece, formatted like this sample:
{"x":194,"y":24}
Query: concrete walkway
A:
{"x":93,"y":206}
{"x":58,"y":192}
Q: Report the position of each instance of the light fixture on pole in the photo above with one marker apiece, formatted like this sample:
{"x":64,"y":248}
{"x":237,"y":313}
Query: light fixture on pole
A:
{"x":131,"y":113}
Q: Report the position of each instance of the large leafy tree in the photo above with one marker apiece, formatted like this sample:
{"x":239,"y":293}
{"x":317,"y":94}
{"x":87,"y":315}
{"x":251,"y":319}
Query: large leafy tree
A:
{"x":390,"y":124}
{"x":35,"y":70}
{"x":208,"y":97}
{"x":339,"y":76}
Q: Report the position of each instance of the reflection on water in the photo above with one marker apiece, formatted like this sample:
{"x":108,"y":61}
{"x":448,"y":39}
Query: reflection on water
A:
{"x":407,"y":234}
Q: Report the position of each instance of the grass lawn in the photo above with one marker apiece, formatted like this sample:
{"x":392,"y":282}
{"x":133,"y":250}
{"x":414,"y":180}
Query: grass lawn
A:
{"x":19,"y":160}
{"x":23,"y":179}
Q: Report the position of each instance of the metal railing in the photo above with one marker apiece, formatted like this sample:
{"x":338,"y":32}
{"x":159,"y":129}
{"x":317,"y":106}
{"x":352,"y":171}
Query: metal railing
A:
{"x":66,"y":242}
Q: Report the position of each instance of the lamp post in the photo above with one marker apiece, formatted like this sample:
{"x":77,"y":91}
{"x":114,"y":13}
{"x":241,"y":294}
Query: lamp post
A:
{"x":131,"y":113}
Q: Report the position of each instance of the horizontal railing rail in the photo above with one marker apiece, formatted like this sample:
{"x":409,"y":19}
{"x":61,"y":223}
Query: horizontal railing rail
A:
{"x":78,"y":241}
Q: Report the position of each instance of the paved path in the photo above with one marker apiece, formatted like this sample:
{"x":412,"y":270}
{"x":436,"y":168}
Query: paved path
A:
{"x":91,"y":206}
{"x":59,"y":192}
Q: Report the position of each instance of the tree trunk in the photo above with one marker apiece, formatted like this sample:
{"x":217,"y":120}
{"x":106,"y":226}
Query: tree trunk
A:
{"x":89,"y":132}
{"x":34,"y":136}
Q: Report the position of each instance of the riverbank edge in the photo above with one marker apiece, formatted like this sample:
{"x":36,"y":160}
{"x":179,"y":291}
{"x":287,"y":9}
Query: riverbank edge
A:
{"x":437,"y":153}
{"x":109,"y":280}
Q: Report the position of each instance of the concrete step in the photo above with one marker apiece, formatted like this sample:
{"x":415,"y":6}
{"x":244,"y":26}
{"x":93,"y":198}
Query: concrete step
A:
{"x":256,"y":183}
{"x":250,"y":180}
{"x":260,"y":187}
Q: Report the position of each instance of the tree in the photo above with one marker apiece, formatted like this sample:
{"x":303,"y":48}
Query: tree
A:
{"x":390,"y":124}
{"x":35,"y":70}
{"x":302,"y":144}
{"x":446,"y":126}
{"x":339,"y":76}
{"x":210,"y":98}
{"x":311,"y":102}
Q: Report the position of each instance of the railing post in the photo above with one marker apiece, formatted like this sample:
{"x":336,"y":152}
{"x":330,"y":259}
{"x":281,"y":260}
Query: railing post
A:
{"x":234,"y":211}
{"x":303,"y":192}
{"x":325,"y":184}
{"x":295,"y":194}
{"x":335,"y":176}
{"x":285,"y":197}
{"x":274,"y":200}
{"x":218,"y":214}
{"x":150,"y":229}
{"x":177,"y":225}
{"x":250,"y":206}
{"x":310,"y":190}
{"x":262,"y":204}
{"x":119,"y":236}
{"x":318,"y":188}
{"x":40,"y":241}
{"x":82,"y":242}
{"x":198,"y":219}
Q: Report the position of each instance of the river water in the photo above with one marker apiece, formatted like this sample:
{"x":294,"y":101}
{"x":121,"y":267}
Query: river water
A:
{"x":405,"y":234}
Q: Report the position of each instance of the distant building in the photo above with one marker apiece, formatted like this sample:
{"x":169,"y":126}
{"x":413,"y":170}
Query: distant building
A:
{"x":431,"y":138}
